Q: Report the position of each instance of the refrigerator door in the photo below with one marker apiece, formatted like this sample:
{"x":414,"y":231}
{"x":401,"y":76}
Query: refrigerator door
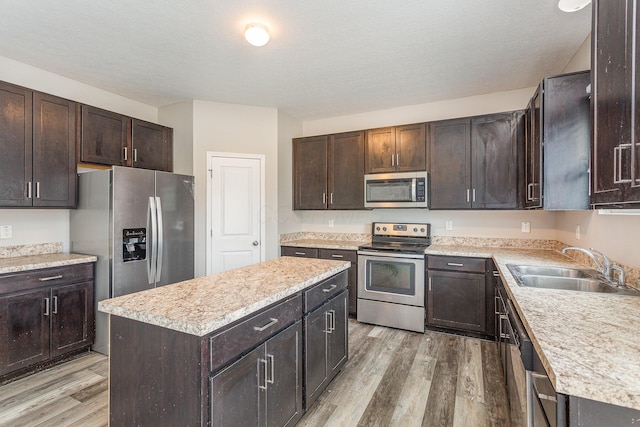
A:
{"x":133,"y":193}
{"x":175,"y":198}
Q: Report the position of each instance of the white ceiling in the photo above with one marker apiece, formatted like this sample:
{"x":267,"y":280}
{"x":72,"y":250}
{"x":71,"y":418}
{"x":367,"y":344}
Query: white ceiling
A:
{"x":325,"y":58}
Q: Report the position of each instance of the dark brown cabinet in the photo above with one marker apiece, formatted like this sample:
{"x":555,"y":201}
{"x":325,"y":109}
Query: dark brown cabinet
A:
{"x":37,"y":142}
{"x":329,"y":171}
{"x":109,"y":138}
{"x":474,"y":162}
{"x":45,"y":315}
{"x":460,"y":293}
{"x":615,"y":154}
{"x":336,"y":254}
{"x":396,"y":149}
{"x":557,"y":147}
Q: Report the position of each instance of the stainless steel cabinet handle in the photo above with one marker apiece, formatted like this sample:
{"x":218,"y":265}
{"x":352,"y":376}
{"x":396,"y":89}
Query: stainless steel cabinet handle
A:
{"x":37,"y":189}
{"x":300,"y":253}
{"x":429,"y":284}
{"x":455,"y":264}
{"x":496,"y":273}
{"x":46,"y":306}
{"x":262,"y":328}
{"x":337,"y":256}
{"x":330,"y":321}
{"x":330,"y":288}
{"x":467,"y":195}
{"x":333,"y":320}
{"x":617,"y":164}
{"x":547,"y":397}
{"x":29,"y":195}
{"x":135,"y":155}
{"x":324,"y":198}
{"x":530,"y":192}
{"x":265,"y":378}
{"x":496,"y":310}
{"x":474,"y":195}
{"x":331,"y":199}
{"x":124,"y":155}
{"x":55,"y":305}
{"x":46,"y":279}
{"x":397,"y":159}
{"x":392,"y":161}
{"x":272,"y":364}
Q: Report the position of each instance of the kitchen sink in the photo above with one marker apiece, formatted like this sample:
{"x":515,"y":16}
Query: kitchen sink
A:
{"x":567,"y":279}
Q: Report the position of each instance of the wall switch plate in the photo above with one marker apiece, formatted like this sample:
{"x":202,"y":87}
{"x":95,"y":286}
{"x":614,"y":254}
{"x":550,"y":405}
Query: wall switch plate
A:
{"x":526,"y":227}
{"x":578,"y":232}
{"x":448,"y":225}
{"x":6,"y":232}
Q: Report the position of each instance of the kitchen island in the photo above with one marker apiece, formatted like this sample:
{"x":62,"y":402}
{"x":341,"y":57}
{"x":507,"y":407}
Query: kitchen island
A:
{"x":227,"y":348}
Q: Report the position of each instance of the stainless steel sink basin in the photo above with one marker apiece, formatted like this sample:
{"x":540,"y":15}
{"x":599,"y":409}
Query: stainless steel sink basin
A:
{"x":567,"y":279}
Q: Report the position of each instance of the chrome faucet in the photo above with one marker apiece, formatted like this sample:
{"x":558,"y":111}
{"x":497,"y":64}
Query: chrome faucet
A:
{"x":603,"y":266}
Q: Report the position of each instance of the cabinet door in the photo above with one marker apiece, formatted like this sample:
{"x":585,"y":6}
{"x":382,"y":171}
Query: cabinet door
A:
{"x":72,"y":311}
{"x":152,"y":146}
{"x":533,"y":153}
{"x":380,"y":150}
{"x":456,"y":300}
{"x":104,"y":137}
{"x":24,"y":328}
{"x":450,"y":164}
{"x":411,"y":148}
{"x":284,"y":377}
{"x":54,"y":151}
{"x":310,"y":172}
{"x":337,"y":334}
{"x":315,"y":342}
{"x":15,"y":144}
{"x":236,"y":399}
{"x":495,"y":162}
{"x":346,"y":171}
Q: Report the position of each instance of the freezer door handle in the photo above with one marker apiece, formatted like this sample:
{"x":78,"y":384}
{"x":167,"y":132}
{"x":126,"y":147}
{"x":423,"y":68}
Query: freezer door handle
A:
{"x":160,"y":241}
{"x":152,"y":224}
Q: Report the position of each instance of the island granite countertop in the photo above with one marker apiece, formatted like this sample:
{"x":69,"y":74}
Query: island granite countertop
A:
{"x":36,"y":262}
{"x":202,"y":305}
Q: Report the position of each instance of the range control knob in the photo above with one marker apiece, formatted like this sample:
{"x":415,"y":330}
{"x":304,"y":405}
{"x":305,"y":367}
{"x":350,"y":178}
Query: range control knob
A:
{"x":377,"y":228}
{"x":415,"y":229}
{"x":422,"y":229}
{"x":384,"y":228}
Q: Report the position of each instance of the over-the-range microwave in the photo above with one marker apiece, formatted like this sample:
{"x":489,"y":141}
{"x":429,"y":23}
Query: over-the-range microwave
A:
{"x":396,"y":190}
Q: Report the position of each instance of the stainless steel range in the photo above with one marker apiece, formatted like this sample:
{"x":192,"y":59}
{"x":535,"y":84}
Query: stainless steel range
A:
{"x":391,"y":273}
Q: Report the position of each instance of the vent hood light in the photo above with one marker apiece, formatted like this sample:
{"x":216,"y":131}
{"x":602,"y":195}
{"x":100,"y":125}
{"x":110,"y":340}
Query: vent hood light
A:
{"x":572,"y":5}
{"x":256,"y":34}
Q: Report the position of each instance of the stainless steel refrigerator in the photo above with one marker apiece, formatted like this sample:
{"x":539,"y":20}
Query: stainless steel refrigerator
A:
{"x":140,"y":225}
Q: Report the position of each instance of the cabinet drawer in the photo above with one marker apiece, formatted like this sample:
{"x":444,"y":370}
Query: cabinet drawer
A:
{"x":231,"y":343}
{"x":14,"y":282}
{"x":338,"y":254}
{"x":324,"y":290}
{"x":457,"y":263}
{"x":297,"y":251}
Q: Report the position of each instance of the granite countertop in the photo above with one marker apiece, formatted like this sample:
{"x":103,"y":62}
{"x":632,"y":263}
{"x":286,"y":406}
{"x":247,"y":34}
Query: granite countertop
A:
{"x":587,"y":342}
{"x":36,"y":262}
{"x":350,"y":245}
{"x":202,"y":305}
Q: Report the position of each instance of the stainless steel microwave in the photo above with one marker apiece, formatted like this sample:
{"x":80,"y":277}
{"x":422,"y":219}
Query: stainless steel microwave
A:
{"x":396,"y":190}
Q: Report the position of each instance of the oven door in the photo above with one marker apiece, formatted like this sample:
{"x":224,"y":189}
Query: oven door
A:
{"x":396,"y":278}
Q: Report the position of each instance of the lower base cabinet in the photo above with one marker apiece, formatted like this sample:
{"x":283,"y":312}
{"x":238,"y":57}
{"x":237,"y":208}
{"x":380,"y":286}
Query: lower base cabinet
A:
{"x":270,"y":376}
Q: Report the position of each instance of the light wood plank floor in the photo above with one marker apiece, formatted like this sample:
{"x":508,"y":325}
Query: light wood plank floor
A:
{"x":392,"y":378}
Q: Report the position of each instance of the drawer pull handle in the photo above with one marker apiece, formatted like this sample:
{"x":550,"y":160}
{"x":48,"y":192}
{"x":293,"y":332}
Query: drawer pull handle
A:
{"x":45,"y":279}
{"x":455,"y":264}
{"x":496,"y":274}
{"x":547,"y":397}
{"x":337,"y":256}
{"x":330,"y":288}
{"x":262,"y":328}
{"x":300,"y":253}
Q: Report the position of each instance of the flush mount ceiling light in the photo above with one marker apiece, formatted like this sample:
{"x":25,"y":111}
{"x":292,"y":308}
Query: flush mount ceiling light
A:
{"x":256,"y":34}
{"x":572,"y":5}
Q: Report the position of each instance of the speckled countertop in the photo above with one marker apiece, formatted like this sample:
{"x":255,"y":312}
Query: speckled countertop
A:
{"x":588,"y":342}
{"x":324,"y":244}
{"x":36,"y":262}
{"x":205,"y":304}
{"x":345,"y":241}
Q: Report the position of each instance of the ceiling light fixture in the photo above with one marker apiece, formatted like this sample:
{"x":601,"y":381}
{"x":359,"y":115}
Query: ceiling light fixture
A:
{"x":572,"y":5}
{"x":256,"y":34}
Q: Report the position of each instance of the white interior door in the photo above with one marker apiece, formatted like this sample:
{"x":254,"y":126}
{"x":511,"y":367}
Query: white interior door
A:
{"x":235,"y":213}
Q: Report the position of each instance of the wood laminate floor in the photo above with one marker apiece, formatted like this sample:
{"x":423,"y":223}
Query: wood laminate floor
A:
{"x":392,"y":378}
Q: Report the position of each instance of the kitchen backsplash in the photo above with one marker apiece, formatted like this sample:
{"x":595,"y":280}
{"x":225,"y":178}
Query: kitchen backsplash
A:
{"x":310,"y":235}
{"x":34,"y":249}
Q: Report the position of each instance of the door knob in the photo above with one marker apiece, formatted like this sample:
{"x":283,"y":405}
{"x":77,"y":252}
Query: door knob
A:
{"x":255,"y":243}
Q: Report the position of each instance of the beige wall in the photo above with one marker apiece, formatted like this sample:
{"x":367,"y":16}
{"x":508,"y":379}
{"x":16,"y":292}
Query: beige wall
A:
{"x":52,"y":225}
{"x":180,"y":118}
{"x":288,"y":128}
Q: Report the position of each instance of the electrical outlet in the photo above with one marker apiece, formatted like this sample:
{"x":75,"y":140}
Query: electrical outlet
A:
{"x":578,"y":232}
{"x":6,"y":232}
{"x":330,"y":223}
{"x":526,"y":227}
{"x":448,"y":225}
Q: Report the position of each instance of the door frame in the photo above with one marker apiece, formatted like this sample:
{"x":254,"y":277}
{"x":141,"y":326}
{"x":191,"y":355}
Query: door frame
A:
{"x":209,"y":222}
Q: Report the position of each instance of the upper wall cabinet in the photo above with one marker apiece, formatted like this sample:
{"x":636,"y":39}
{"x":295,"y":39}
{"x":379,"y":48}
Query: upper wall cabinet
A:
{"x":474,"y":162}
{"x":328,"y":171}
{"x":396,"y":149}
{"x":109,"y":138}
{"x":615,"y":99}
{"x":557,"y":146}
{"x":37,"y":142}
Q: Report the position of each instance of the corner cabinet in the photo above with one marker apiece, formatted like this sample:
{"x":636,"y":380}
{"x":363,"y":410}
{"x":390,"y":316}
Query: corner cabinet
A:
{"x":38,"y":146}
{"x":45,"y":315}
{"x":328,"y":172}
{"x":615,"y":169}
{"x":474,"y":162}
{"x":396,"y":149}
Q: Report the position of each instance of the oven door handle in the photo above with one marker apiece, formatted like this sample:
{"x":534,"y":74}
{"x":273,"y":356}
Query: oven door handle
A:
{"x":387,"y":255}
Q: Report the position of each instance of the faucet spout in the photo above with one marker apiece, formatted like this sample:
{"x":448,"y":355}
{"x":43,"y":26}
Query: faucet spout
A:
{"x":600,"y":266}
